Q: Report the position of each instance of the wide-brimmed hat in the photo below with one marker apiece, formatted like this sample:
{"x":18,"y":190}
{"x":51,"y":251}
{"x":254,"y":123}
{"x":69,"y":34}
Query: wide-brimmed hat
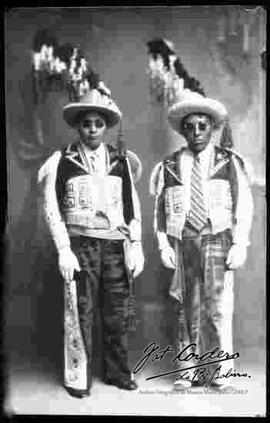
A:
{"x":193,"y":102}
{"x":94,"y":100}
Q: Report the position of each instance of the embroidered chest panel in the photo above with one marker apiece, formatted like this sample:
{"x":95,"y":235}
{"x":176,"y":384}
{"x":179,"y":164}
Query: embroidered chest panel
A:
{"x":77,"y":190}
{"x":87,"y":192}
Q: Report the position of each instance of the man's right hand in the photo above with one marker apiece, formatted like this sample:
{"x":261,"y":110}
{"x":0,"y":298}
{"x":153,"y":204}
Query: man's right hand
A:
{"x":167,"y":256}
{"x":67,"y":262}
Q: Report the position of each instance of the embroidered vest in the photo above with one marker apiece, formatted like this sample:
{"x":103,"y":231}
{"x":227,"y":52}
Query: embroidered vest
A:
{"x":222,"y":188}
{"x":93,"y":201}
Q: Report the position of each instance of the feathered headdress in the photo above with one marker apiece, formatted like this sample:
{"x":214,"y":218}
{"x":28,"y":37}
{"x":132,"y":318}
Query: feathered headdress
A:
{"x":168,"y":78}
{"x":61,"y":68}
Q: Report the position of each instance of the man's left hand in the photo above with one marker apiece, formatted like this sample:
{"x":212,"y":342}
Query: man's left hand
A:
{"x":135,"y":259}
{"x":237,"y":256}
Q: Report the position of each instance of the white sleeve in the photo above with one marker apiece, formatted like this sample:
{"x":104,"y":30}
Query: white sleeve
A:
{"x":47,"y":176}
{"x":244,"y":208}
{"x":156,"y":187}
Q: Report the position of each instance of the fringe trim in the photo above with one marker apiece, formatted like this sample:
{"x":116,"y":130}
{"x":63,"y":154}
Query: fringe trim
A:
{"x":132,"y":322}
{"x":49,"y":166}
{"x":156,"y":179}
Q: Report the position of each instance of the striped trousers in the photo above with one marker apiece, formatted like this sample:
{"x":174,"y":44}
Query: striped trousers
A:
{"x":206,"y":310}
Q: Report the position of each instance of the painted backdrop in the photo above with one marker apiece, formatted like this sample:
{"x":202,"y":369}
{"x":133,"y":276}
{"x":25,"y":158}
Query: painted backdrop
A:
{"x":212,"y":47}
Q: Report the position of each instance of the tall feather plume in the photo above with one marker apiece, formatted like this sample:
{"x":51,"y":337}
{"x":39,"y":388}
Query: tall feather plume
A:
{"x":61,"y":68}
{"x":168,"y":77}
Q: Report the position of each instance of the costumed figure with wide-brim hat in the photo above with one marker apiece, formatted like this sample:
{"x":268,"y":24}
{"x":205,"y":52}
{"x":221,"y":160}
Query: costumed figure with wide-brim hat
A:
{"x":203,"y":214}
{"x":93,"y":212}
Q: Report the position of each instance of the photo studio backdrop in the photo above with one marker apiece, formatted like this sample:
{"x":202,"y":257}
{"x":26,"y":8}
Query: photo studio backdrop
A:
{"x":223,"y":47}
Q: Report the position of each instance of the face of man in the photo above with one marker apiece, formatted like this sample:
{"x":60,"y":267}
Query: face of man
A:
{"x":197,"y":129}
{"x":92,"y":127}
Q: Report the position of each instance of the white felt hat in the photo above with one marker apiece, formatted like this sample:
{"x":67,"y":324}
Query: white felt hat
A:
{"x":192,"y":102}
{"x":93,"y":101}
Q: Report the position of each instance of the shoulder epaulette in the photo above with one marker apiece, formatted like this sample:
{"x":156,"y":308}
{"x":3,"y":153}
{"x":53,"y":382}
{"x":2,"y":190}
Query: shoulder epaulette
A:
{"x":241,"y":160}
{"x":226,"y":153}
{"x":70,"y":148}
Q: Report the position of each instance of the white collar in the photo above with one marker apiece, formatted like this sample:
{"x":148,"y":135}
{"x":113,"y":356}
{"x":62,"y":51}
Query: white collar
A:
{"x":98,"y":152}
{"x":206,"y":153}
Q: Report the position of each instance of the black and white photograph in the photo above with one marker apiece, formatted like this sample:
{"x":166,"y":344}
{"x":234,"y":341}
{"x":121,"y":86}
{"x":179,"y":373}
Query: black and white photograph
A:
{"x":135,"y":241}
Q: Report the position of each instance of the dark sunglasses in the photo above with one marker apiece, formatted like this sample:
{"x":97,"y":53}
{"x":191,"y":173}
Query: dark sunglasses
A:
{"x":191,"y":126}
{"x":88,"y":123}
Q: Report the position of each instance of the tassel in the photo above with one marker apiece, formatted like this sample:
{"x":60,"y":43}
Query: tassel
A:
{"x":226,"y":139}
{"x":121,"y":147}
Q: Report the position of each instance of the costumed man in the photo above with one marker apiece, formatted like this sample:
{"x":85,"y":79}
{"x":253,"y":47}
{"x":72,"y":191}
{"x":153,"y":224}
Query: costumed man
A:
{"x":203,"y":214}
{"x":93,"y":214}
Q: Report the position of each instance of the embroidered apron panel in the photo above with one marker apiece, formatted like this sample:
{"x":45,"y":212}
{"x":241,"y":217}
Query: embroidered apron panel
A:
{"x":175,"y":210}
{"x":220,"y":203}
{"x":94,"y":202}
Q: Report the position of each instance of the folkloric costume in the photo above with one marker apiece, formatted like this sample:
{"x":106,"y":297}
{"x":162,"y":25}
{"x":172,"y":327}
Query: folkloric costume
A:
{"x":201,"y":211}
{"x":92,"y":208}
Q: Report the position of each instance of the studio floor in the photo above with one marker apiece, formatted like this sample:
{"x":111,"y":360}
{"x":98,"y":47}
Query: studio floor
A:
{"x":34,"y":387}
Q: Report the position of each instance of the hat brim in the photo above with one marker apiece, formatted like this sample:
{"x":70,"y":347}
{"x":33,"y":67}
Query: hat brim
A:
{"x":71,"y":111}
{"x":210,"y":107}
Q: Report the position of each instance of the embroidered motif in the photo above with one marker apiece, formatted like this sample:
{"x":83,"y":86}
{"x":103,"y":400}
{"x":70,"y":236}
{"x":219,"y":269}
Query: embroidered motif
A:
{"x":116,"y":195}
{"x":97,"y":202}
{"x":172,"y":173}
{"x":69,"y":201}
{"x":219,"y":195}
{"x":85,"y":200}
{"x":75,"y":354}
{"x":177,"y":200}
{"x":214,"y":169}
{"x":69,"y":187}
{"x":75,"y":157}
{"x":175,"y":210}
